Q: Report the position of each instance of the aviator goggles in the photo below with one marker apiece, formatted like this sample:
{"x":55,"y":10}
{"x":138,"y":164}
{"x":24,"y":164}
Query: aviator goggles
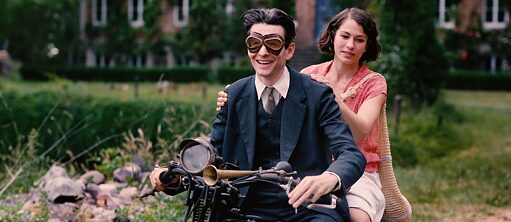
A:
{"x":273,"y":43}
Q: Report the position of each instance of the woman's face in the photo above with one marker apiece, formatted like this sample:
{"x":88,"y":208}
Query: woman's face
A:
{"x":350,"y":42}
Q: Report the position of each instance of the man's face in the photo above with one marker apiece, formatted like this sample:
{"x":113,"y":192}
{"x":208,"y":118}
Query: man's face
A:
{"x":268,"y":66}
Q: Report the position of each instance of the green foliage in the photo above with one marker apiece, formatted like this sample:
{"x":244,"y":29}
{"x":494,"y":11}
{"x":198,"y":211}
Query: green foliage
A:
{"x":480,"y":168}
{"x":44,"y":22}
{"x":286,"y":6}
{"x":412,"y":57}
{"x":429,"y":134}
{"x":119,"y":33}
{"x":479,"y":80}
{"x":165,"y":209}
{"x":13,"y":213}
{"x":120,"y":74}
{"x":83,"y":123}
{"x":201,"y":40}
{"x":228,"y":74}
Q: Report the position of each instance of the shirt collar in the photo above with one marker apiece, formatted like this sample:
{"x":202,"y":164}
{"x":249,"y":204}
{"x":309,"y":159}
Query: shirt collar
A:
{"x":282,"y":85}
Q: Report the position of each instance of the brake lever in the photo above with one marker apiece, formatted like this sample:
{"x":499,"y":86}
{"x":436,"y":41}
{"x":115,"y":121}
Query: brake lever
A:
{"x":290,"y":184}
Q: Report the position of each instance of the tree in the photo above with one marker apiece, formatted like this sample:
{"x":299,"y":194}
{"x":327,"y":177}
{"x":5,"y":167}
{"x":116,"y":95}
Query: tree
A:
{"x":201,"y":39}
{"x":34,"y":27}
{"x":412,"y":56}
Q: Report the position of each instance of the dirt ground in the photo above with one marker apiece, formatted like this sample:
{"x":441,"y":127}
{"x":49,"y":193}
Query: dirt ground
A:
{"x":467,"y":213}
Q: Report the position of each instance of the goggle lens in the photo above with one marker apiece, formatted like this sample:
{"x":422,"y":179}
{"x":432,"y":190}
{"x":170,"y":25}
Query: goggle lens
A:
{"x":272,"y":42}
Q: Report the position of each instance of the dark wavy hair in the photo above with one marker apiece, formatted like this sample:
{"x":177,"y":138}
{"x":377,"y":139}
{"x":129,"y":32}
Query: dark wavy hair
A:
{"x":326,"y":41}
{"x":272,"y":16}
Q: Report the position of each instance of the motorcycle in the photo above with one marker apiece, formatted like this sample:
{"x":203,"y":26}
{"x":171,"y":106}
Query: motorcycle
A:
{"x":213,"y":189}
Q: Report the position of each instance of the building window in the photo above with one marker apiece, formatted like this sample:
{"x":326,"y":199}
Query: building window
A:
{"x":495,"y":15}
{"x":138,"y":60}
{"x":102,"y":60}
{"x":136,"y":13}
{"x":181,"y":12}
{"x":99,"y":10}
{"x":446,"y":12}
{"x":496,"y":63}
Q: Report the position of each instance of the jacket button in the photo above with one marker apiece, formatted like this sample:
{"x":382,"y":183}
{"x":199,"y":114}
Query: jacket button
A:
{"x":270,"y":121}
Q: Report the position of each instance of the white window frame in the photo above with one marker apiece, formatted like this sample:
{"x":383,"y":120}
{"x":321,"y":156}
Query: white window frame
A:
{"x":139,"y":21}
{"x":186,"y":13}
{"x":229,"y":8}
{"x":138,"y":60}
{"x":494,"y":23}
{"x":97,"y":22}
{"x":101,"y":60}
{"x":442,"y":12}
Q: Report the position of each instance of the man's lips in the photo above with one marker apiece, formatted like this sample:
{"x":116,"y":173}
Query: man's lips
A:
{"x":264,"y":62}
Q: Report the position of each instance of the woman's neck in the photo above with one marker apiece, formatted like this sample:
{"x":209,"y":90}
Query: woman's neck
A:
{"x":340,"y":72}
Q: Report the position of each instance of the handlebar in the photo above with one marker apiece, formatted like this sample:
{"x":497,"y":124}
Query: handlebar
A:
{"x":279,"y":175}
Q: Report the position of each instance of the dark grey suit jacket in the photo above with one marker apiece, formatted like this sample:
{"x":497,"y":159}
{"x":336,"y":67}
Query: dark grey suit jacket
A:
{"x":311,"y":130}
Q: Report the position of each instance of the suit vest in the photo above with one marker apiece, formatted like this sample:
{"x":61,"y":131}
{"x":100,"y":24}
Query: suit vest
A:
{"x":267,"y":143}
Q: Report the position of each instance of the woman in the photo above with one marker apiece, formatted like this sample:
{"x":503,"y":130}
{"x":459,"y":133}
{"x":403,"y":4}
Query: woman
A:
{"x":351,"y":38}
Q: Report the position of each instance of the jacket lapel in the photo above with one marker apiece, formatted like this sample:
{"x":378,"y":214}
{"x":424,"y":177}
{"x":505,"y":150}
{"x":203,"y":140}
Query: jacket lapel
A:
{"x":246,"y":109}
{"x":292,"y":116}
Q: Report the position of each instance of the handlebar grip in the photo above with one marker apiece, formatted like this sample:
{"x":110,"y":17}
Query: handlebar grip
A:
{"x":166,"y":177}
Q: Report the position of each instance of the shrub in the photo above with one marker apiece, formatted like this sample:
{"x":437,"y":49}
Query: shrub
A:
{"x":479,"y":80}
{"x":76,"y":123}
{"x":117,"y":74}
{"x":227,"y":74}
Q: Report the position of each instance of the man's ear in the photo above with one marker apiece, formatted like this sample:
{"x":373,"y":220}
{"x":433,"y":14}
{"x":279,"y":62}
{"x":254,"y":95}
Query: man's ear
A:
{"x":290,"y":50}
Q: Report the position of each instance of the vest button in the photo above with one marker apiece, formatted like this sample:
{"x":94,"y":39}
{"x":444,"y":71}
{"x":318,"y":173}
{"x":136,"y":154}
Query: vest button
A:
{"x":274,"y":139}
{"x":270,"y":121}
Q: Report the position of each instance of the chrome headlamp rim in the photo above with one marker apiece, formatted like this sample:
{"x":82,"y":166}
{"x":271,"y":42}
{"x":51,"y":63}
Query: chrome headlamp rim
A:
{"x":206,"y":145}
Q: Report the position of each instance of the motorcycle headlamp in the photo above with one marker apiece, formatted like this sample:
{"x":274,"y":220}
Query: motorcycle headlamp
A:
{"x":196,"y":154}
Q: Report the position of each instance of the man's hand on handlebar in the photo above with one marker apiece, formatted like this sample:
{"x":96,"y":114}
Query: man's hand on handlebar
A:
{"x":311,"y":188}
{"x":155,"y":178}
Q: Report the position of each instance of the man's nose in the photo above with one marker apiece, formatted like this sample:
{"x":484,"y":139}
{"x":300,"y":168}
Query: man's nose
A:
{"x":263,"y":51}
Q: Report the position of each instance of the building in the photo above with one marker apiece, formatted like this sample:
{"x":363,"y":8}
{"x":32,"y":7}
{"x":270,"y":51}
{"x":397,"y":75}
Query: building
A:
{"x":484,"y":28}
{"x":95,"y":16}
{"x":474,"y":22}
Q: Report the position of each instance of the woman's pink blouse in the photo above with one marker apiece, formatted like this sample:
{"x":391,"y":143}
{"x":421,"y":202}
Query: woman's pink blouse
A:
{"x":373,"y":87}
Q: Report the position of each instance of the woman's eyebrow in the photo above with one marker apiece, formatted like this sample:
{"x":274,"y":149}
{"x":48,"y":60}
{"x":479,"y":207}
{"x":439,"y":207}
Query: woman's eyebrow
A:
{"x":362,"y":35}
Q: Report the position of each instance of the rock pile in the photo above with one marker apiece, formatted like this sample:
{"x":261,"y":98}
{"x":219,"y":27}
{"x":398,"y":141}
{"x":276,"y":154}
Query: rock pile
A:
{"x":88,"y":198}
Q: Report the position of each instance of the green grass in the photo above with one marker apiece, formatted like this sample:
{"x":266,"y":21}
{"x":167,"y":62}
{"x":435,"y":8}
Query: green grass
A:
{"x":477,"y":176}
{"x":195,"y":93}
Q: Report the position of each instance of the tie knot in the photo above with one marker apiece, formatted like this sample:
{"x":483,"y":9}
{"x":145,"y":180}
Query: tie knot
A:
{"x":270,"y":90}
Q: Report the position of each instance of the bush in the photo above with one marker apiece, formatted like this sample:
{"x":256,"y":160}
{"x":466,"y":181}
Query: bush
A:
{"x":227,"y":75}
{"x":65,"y":121}
{"x":479,"y":80}
{"x":117,"y":74}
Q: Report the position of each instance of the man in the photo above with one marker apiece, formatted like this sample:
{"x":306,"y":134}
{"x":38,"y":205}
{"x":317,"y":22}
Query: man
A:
{"x":278,"y":114}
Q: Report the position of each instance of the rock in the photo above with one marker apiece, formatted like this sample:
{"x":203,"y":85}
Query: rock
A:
{"x":93,"y":176}
{"x":62,"y":189}
{"x":131,"y":170}
{"x":128,"y":193}
{"x":53,"y":172}
{"x":64,"y":212}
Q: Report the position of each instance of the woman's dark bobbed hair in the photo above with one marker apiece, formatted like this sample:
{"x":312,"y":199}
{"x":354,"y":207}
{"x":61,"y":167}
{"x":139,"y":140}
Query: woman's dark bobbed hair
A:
{"x":326,"y":40}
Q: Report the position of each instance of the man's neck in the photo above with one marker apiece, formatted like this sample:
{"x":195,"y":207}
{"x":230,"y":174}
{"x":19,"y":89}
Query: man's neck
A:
{"x":271,"y":80}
